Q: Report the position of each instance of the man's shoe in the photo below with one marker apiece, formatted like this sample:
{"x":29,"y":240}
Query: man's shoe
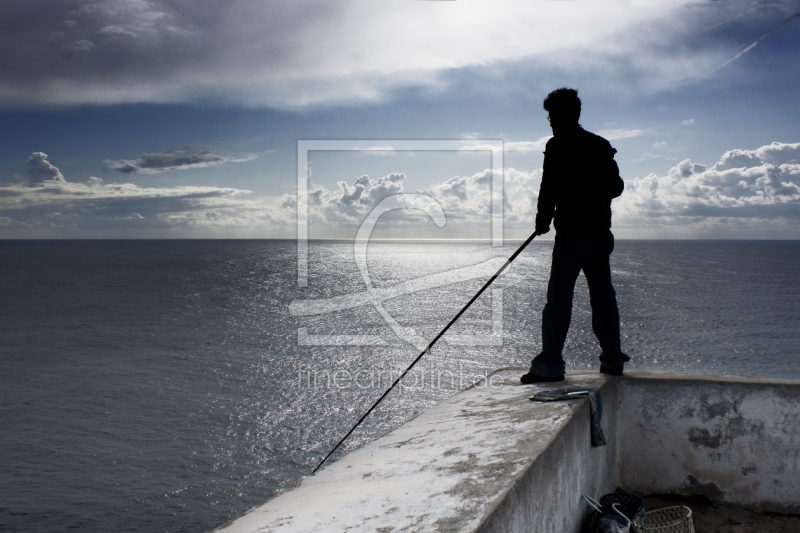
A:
{"x":530,"y":377}
{"x":613,"y":371}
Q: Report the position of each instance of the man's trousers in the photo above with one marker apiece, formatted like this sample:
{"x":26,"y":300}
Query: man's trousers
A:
{"x":571,"y":254}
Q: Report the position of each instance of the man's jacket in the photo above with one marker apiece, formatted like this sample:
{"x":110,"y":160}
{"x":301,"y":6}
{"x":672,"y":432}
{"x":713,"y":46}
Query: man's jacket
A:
{"x":579,"y":179}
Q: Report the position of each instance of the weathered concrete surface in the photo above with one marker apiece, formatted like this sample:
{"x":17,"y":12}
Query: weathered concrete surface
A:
{"x":490,"y":460}
{"x":487,"y":459}
{"x":731,"y":439}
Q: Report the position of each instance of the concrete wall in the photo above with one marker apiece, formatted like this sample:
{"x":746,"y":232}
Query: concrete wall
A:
{"x":489,"y":460}
{"x":547,"y":497}
{"x":729,"y":439}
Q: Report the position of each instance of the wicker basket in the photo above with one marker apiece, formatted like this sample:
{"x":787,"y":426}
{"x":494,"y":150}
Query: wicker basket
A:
{"x":668,"y":520}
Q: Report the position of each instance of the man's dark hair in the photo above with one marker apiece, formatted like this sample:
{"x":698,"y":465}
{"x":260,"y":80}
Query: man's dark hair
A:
{"x":563,"y":105}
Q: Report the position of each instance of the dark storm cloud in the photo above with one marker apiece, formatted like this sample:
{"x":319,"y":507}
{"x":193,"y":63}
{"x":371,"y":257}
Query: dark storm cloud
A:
{"x":183,"y":157}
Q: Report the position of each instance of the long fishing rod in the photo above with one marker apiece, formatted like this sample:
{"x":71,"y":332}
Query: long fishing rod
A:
{"x":430,"y":345}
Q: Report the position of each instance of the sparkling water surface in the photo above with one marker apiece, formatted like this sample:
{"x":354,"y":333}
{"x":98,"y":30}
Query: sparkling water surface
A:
{"x":159,"y":385}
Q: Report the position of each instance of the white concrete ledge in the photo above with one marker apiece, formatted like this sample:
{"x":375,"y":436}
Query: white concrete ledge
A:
{"x":490,"y":460}
{"x":473,"y":462}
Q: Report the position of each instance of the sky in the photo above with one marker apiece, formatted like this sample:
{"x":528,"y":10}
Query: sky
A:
{"x":176,"y":119}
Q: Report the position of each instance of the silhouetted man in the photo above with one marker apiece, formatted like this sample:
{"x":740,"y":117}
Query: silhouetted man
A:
{"x":579,"y":179}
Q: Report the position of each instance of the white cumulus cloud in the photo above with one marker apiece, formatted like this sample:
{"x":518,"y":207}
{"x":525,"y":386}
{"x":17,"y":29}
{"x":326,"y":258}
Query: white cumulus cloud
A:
{"x":465,"y":200}
{"x":760,"y":184}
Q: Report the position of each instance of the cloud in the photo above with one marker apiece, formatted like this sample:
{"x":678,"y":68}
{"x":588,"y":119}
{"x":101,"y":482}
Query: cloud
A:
{"x":613,"y":135}
{"x":465,"y":200}
{"x":747,"y":193}
{"x":183,"y":157}
{"x":305,"y":53}
{"x":68,"y":51}
{"x":41,"y":170}
{"x":49,"y":202}
{"x":759,"y":184}
{"x":81,"y":46}
{"x":735,"y":197}
{"x":350,"y":203}
{"x":526,"y":146}
{"x":772,"y":154}
{"x":93,"y":203}
{"x":688,"y":122}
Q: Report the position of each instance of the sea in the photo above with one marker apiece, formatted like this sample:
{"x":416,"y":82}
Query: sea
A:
{"x":171,"y":385}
